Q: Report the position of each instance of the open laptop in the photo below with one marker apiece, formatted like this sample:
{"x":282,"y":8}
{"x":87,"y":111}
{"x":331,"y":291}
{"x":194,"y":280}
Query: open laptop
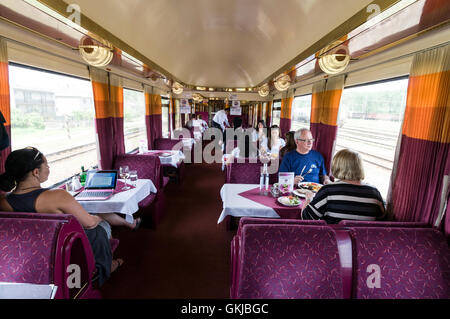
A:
{"x":100,"y":185}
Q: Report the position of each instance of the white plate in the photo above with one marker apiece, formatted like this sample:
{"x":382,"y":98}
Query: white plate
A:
{"x":167,"y":154}
{"x":298,"y":193}
{"x":310,"y":183}
{"x":285,"y":201}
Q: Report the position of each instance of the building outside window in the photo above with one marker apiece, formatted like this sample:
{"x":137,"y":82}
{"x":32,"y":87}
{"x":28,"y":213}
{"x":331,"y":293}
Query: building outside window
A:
{"x":55,"y":114}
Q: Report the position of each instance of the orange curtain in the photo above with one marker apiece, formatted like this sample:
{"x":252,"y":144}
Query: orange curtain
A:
{"x":423,"y":153}
{"x":108,"y":102}
{"x":153,"y":116}
{"x":285,"y":114}
{"x":5,"y":106}
{"x":325,"y":102}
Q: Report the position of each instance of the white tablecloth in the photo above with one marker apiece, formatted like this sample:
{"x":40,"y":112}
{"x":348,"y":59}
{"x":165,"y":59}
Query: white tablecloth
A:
{"x":124,"y":202}
{"x":238,"y":206}
{"x":9,"y":290}
{"x":173,"y":160}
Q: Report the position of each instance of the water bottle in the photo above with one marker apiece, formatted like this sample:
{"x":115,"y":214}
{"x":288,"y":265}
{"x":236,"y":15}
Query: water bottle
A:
{"x":261,"y":182}
{"x":82,"y":176}
{"x":266,"y":177}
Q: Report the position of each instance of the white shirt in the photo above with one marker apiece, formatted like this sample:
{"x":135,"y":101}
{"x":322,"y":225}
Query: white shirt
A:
{"x":275,"y":148}
{"x":221,"y":118}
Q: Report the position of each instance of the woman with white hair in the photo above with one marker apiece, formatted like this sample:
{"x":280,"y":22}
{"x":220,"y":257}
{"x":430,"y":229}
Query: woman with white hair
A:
{"x":348,"y":198}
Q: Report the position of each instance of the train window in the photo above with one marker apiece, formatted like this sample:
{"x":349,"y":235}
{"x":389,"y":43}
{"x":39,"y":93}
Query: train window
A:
{"x":133,"y":119}
{"x":264,"y":111}
{"x":54,"y":113}
{"x":177,"y":115}
{"x":370,"y":118}
{"x":276,"y":113}
{"x":301,"y":112}
{"x":165,"y":117}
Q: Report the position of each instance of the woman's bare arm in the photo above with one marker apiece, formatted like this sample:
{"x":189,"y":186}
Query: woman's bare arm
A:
{"x":60,"y":201}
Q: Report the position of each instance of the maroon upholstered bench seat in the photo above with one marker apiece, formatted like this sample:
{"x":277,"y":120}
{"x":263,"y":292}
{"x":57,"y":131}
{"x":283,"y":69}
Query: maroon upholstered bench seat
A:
{"x":288,"y":261}
{"x":410,"y":263}
{"x":38,"y":248}
{"x":235,"y":244}
{"x":147,"y":167}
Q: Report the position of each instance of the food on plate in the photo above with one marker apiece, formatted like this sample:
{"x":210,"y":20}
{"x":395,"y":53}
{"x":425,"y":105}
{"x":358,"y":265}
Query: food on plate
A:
{"x":314,"y":187}
{"x":289,"y":200}
{"x":284,"y":188}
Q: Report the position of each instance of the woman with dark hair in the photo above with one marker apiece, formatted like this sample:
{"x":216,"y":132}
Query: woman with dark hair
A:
{"x":25,"y":170}
{"x":259,"y":134}
{"x":290,"y":144}
{"x":274,"y":142}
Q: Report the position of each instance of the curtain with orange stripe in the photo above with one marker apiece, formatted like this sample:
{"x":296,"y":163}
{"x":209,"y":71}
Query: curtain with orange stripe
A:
{"x":425,"y":142}
{"x":5,"y":106}
{"x":171,"y":116}
{"x":108,"y":101}
{"x":269,"y":113}
{"x":153,"y":116}
{"x":285,"y":114}
{"x":326,"y":97}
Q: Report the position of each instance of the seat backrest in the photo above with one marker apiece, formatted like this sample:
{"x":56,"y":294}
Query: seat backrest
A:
{"x":353,"y":223}
{"x":289,"y":261}
{"x":147,"y":166}
{"x":260,"y":221}
{"x":48,"y":243}
{"x":28,"y":248}
{"x":246,"y":171}
{"x":400,"y":263}
{"x":168,"y":144}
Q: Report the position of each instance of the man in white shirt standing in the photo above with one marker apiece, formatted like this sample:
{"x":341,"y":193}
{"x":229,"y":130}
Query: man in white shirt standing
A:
{"x":220,"y":121}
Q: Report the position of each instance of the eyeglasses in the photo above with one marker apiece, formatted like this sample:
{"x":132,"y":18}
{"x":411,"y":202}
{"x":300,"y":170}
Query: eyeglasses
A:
{"x":302,"y":140}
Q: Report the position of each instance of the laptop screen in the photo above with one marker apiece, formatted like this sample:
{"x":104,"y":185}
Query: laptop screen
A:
{"x":101,"y":180}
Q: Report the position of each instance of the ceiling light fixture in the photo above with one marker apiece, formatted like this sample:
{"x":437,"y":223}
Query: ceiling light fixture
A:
{"x":334,"y":58}
{"x":264,"y":90}
{"x":177,"y":88}
{"x":98,"y":55}
{"x":282,"y":82}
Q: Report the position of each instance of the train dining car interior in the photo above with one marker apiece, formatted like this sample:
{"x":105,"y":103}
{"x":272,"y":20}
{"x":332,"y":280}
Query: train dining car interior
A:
{"x":231,"y":150}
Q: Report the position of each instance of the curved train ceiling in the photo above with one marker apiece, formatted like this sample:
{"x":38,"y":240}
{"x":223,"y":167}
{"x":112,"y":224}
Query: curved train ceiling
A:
{"x":228,"y":44}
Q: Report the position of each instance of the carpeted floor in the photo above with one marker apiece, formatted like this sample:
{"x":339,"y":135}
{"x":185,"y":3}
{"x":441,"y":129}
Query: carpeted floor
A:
{"x":188,"y":255}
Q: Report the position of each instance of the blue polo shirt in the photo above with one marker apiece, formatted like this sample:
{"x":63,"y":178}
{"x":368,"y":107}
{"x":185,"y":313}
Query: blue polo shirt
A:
{"x":294,"y":162}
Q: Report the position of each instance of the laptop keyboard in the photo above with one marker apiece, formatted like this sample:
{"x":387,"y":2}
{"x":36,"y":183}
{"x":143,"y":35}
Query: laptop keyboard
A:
{"x":93,"y":194}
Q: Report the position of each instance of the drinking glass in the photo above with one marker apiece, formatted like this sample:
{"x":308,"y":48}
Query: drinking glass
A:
{"x":124,"y":172}
{"x":133,"y":178}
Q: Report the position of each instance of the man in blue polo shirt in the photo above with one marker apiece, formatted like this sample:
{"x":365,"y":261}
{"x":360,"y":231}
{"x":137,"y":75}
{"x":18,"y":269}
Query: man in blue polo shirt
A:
{"x":308,"y":165}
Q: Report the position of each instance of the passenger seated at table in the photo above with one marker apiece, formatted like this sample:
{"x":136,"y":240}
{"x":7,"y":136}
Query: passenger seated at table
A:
{"x":259,"y":134}
{"x":273,"y":143}
{"x":245,"y":147}
{"x":348,"y":198}
{"x":290,"y":144}
{"x":201,"y":123}
{"x":307,"y":164}
{"x":25,"y":170}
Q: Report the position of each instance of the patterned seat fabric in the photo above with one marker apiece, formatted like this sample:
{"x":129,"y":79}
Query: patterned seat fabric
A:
{"x":352,"y":223}
{"x":27,"y":249}
{"x":246,"y":173}
{"x":147,"y":167}
{"x":289,"y":261}
{"x":412,"y":263}
{"x":168,"y":144}
{"x":235,"y":244}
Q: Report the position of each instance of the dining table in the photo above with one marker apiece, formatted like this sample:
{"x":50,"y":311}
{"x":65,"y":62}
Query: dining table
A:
{"x":123,"y":201}
{"x":247,"y":200}
{"x":168,"y":157}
